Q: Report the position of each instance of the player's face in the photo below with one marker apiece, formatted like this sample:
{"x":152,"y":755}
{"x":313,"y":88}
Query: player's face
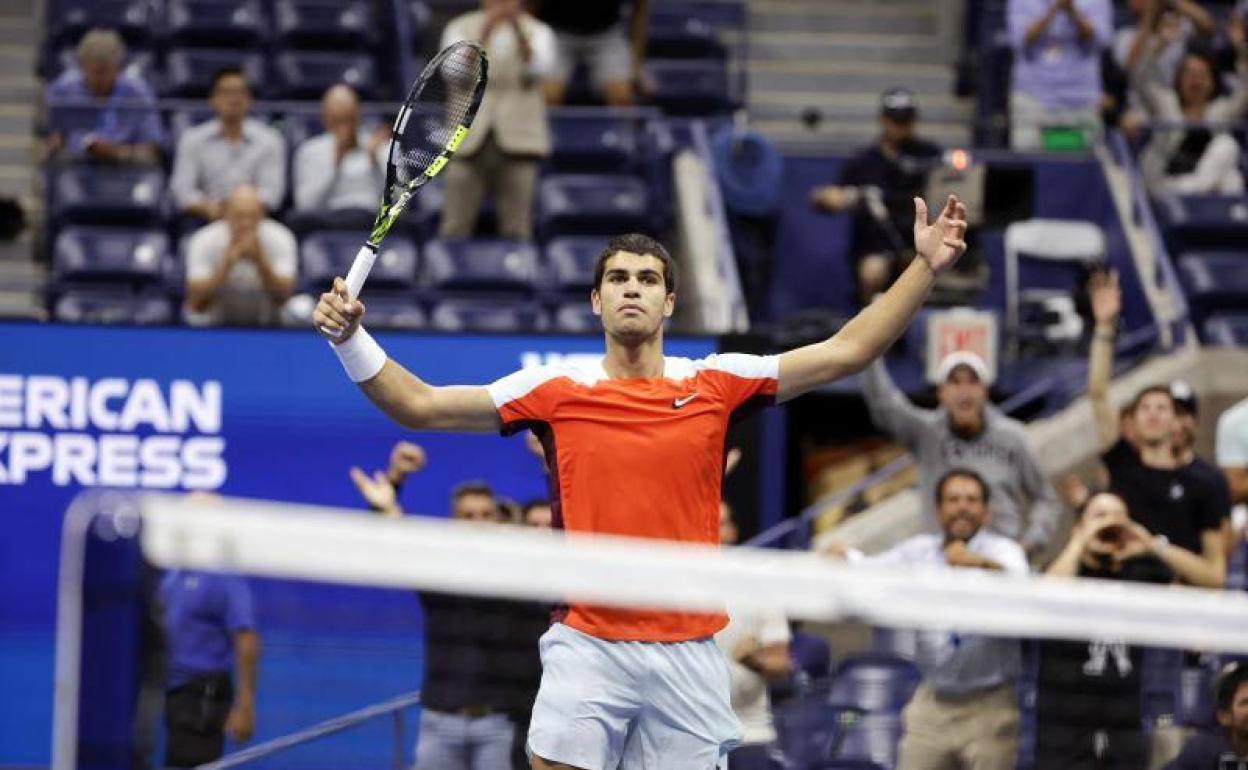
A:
{"x":1154,"y":418}
{"x":632,"y":298}
{"x":962,"y":510}
{"x":963,"y":397}
{"x":476,"y":507}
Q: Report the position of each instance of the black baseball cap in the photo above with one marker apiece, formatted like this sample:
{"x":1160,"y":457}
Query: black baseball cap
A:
{"x":1184,"y":396}
{"x":899,"y":104}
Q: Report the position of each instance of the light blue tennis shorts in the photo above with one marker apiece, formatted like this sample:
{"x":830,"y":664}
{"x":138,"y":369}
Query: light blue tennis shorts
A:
{"x":656,"y":705}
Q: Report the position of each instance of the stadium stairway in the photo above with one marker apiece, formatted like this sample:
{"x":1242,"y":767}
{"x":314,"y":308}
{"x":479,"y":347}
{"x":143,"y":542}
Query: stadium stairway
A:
{"x":833,"y":58}
{"x":21,"y":279}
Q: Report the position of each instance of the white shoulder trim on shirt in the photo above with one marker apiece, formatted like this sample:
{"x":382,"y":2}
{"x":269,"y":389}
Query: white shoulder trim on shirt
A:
{"x":520,"y":383}
{"x":742,"y":365}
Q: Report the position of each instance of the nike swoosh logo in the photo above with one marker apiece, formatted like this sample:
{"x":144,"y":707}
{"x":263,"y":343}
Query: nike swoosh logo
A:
{"x":678,"y":403}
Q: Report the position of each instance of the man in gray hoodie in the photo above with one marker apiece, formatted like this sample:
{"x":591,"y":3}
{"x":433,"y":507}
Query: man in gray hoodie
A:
{"x":966,"y":431}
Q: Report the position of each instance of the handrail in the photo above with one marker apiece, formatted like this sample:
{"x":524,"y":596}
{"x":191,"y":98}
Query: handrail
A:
{"x":328,"y":727}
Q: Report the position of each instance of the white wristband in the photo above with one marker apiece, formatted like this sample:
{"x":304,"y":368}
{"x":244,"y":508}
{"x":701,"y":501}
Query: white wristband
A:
{"x":360,"y":355}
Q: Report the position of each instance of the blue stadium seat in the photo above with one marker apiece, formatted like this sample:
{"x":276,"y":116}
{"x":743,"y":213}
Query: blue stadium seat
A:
{"x":808,"y":729}
{"x":325,"y":24}
{"x":679,"y":33}
{"x":1226,"y":330}
{"x":570,"y":261}
{"x":189,"y":71}
{"x":393,"y":310}
{"x":111,"y":305}
{"x":811,"y":654}
{"x":1203,"y":221}
{"x":690,"y":87}
{"x":458,"y":266}
{"x":593,"y":203}
{"x":222,"y":23}
{"x":871,"y":737}
{"x":847,"y":764}
{"x":577,"y":318}
{"x":1195,"y":697}
{"x":874,"y":682}
{"x":1215,"y":280}
{"x":897,"y":642}
{"x":306,"y":74}
{"x":593,"y":142}
{"x":98,"y":194}
{"x":68,"y":19}
{"x":110,"y":254}
{"x":1159,"y":684}
{"x":488,"y":316}
{"x":323,"y":255}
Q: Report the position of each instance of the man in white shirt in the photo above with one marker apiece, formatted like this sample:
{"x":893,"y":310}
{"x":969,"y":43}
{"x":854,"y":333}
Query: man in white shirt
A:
{"x":510,"y":136}
{"x":240,"y":269}
{"x":343,"y":168}
{"x":756,"y":647}
{"x":1232,"y":449}
{"x":965,"y":713}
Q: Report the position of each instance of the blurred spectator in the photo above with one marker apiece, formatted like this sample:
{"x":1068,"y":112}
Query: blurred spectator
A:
{"x":1228,"y":748}
{"x":230,"y":150}
{"x":965,"y":712}
{"x":213,"y":650}
{"x":1197,"y":159}
{"x":240,"y":270}
{"x":1056,"y":79}
{"x":1186,"y":417}
{"x":343,"y":168}
{"x":593,"y":35}
{"x":1182,"y":511}
{"x":969,"y":432}
{"x":879,"y":185}
{"x":537,"y":513}
{"x":510,"y":135}
{"x":1232,"y":449}
{"x":1162,"y":33}
{"x":381,"y":489}
{"x":113,"y":116}
{"x":1088,"y":700}
{"x":756,"y":647}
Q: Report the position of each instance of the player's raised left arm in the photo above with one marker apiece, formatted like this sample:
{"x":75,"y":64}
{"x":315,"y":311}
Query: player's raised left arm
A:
{"x":872,"y":331}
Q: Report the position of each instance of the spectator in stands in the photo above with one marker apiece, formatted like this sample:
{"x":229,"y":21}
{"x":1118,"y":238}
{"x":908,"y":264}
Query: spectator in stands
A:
{"x":757,"y":649}
{"x":965,"y":713}
{"x":969,"y":432}
{"x":1226,"y":750}
{"x":1232,"y":449}
{"x":592,"y":35}
{"x":1182,"y":510}
{"x":537,"y":513}
{"x":879,"y":185}
{"x":381,"y":489}
{"x":1056,"y":78}
{"x":344,"y":168}
{"x":510,"y":136}
{"x":241,"y":269}
{"x":1088,"y":701}
{"x":97,"y":112}
{"x":1163,"y":31}
{"x":212,"y":653}
{"x":232,"y":149}
{"x":1184,"y":440}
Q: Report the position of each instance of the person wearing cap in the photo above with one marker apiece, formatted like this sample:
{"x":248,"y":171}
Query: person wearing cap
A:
{"x":1232,"y":449}
{"x":1184,"y":511}
{"x":1186,"y":414}
{"x":1228,"y":749}
{"x":1056,"y":77}
{"x":878,"y":185}
{"x":968,"y":431}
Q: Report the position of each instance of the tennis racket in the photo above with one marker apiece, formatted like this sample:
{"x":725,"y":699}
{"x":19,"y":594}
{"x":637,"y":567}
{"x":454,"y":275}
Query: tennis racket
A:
{"x":429,"y":128}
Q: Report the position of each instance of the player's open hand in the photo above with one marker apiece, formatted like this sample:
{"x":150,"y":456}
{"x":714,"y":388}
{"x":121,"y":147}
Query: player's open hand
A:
{"x":337,"y":316}
{"x":940,"y":243}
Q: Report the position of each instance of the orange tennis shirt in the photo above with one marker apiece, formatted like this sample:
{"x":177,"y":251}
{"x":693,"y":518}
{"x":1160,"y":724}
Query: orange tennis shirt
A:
{"x":639,"y":457}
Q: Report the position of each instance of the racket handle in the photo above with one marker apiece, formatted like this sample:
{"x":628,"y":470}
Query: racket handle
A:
{"x":360,"y":269}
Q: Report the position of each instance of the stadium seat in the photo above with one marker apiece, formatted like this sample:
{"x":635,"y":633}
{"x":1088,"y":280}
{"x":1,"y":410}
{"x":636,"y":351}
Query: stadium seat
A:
{"x":110,"y":254}
{"x":847,"y":764}
{"x":592,"y":203}
{"x":324,"y":24}
{"x":808,"y":729}
{"x":1203,"y":222}
{"x":458,"y":266}
{"x":593,"y":142}
{"x":1226,"y":330}
{"x":326,"y":254}
{"x":690,"y":87}
{"x":577,"y":318}
{"x":570,"y":261}
{"x":68,"y":19}
{"x":222,"y":23}
{"x":1215,"y":280}
{"x":1042,"y":261}
{"x":871,"y":737}
{"x":897,"y":642}
{"x":1159,"y":684}
{"x":811,"y":654}
{"x":874,"y":682}
{"x":189,"y":71}
{"x":488,"y":316}
{"x":678,"y":33}
{"x":99,"y":194}
{"x":111,"y":305}
{"x":393,"y":310}
{"x":307,"y":74}
{"x":1195,"y":697}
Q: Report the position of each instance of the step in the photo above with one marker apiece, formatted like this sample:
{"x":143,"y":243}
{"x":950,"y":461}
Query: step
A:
{"x":865,"y":79}
{"x":836,"y":20}
{"x":792,"y":136}
{"x":784,"y":46}
{"x":850,"y":105}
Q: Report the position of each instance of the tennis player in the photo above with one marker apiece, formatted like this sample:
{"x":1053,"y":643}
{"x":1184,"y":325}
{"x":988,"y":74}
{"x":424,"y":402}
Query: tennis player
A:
{"x":635,"y":446}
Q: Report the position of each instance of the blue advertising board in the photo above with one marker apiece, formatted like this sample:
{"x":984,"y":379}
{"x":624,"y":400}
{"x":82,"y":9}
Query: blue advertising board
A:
{"x":254,"y":413}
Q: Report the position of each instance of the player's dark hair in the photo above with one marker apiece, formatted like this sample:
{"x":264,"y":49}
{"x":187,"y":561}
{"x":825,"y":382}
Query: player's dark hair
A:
{"x":636,"y":243}
{"x":1162,"y":389}
{"x":474,"y":487}
{"x":228,"y":72}
{"x":961,"y":473}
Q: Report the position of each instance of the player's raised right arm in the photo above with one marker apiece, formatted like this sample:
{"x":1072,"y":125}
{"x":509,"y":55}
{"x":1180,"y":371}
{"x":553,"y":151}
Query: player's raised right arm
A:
{"x":403,"y":396}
